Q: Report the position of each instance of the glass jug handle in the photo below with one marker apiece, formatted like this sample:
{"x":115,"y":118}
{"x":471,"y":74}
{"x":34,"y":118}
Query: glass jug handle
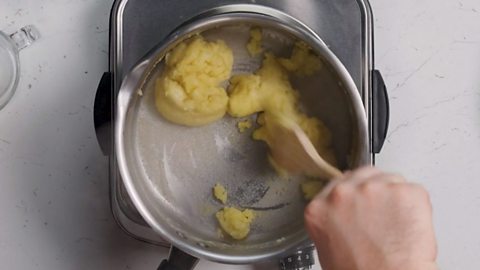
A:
{"x":25,"y":36}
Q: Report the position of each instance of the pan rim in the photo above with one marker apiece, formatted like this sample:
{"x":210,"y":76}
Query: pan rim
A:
{"x":239,"y":12}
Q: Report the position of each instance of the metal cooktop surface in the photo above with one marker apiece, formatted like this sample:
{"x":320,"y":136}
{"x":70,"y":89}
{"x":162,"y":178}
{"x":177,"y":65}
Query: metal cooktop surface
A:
{"x":139,"y":25}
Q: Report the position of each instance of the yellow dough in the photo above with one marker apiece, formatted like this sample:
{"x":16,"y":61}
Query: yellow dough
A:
{"x":189,"y":91}
{"x":270,"y":93}
{"x":302,"y":62}
{"x":234,"y":222}
{"x":244,"y":125}
{"x":254,"y":45}
{"x":311,"y":188}
{"x":220,"y":193}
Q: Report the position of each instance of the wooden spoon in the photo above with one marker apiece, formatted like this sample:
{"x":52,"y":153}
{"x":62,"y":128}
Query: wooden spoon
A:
{"x":293,"y":151}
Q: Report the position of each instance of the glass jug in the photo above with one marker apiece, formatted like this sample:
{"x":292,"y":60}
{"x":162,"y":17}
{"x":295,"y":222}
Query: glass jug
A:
{"x":10,"y":45}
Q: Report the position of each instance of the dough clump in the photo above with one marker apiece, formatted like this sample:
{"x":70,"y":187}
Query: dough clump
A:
{"x":220,"y":193}
{"x":254,"y":45}
{"x":270,"y":93}
{"x":235,"y":222}
{"x":189,"y":91}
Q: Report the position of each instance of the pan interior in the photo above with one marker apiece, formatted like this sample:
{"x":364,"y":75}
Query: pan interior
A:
{"x":175,"y":167}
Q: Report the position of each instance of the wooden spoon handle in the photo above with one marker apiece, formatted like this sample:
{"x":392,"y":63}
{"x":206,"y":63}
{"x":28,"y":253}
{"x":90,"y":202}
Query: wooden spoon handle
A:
{"x":316,"y":165}
{"x":323,"y":167}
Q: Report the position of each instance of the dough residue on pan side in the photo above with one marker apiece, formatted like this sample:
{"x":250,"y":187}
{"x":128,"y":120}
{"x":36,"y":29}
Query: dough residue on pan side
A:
{"x":244,"y":125}
{"x":254,"y":45}
{"x":220,"y":193}
{"x":301,"y":62}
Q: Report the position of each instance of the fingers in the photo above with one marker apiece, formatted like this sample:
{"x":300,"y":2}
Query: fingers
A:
{"x":350,"y":178}
{"x":388,"y":177}
{"x":327,"y":190}
{"x":316,"y":216}
{"x":362,"y":173}
{"x":358,"y":178}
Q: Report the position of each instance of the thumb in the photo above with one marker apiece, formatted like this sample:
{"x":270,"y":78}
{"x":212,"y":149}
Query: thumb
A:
{"x":316,"y":216}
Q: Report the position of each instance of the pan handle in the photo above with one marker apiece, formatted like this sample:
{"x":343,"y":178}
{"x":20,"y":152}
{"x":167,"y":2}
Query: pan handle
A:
{"x":178,"y":260}
{"x":380,"y":110}
{"x":102,"y":113}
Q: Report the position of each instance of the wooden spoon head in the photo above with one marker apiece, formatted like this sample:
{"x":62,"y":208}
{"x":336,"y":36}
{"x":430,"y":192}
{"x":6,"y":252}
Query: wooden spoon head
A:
{"x":292,"y":150}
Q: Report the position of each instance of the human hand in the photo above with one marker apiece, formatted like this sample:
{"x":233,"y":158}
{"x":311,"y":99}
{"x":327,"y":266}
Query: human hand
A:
{"x":371,"y":220}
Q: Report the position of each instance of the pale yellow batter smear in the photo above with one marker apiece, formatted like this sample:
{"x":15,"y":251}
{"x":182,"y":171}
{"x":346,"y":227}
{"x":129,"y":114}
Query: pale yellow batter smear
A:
{"x":235,"y":222}
{"x":254,"y":45}
{"x":220,"y":193}
{"x":189,"y":91}
{"x":302,"y":62}
{"x":244,"y":125}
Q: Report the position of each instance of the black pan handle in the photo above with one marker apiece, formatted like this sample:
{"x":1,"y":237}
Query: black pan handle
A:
{"x":178,"y":260}
{"x":380,"y":110}
{"x":102,"y":113}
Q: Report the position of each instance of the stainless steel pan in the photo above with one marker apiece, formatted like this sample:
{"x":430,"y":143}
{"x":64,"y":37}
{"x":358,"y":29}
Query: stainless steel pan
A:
{"x":169,"y":170}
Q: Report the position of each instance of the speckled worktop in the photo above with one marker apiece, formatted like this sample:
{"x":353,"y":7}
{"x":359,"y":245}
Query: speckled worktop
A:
{"x":54,"y":207}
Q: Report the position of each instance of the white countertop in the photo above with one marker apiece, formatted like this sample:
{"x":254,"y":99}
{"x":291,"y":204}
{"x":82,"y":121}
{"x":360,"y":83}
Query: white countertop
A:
{"x":54,"y":192}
